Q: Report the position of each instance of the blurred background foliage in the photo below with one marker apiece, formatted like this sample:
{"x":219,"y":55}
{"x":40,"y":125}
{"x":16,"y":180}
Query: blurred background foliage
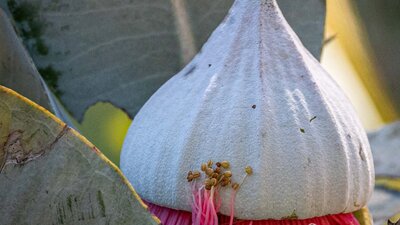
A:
{"x":106,"y":126}
{"x":365,"y":35}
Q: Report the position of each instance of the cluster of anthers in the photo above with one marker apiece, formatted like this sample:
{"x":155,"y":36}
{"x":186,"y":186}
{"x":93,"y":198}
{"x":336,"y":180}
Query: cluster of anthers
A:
{"x":219,"y":175}
{"x":206,"y":202}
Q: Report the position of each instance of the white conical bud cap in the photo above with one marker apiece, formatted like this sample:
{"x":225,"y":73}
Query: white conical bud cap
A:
{"x":253,"y":96}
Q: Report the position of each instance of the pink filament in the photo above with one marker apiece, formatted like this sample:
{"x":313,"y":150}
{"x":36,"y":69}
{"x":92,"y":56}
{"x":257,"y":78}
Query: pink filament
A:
{"x":178,"y":217}
{"x":232,"y":206}
{"x":170,"y":216}
{"x":206,"y":205}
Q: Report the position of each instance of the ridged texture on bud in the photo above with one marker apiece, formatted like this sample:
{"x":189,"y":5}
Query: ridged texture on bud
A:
{"x":253,"y":96}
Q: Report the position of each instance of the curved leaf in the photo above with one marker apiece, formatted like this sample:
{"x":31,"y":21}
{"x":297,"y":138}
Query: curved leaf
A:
{"x":380,"y":20}
{"x":49,"y":174}
{"x":384,"y":204}
{"x":307,"y":19}
{"x":18,"y":72}
{"x":363,"y":216}
{"x":123,"y":51}
{"x":385,"y":146}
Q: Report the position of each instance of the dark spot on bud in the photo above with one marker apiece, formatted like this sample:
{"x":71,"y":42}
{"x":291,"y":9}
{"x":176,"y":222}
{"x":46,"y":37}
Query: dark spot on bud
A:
{"x":315,"y":117}
{"x":191,"y":70}
{"x":361,"y":153}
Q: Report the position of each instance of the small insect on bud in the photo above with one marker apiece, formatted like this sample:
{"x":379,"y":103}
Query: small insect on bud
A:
{"x":235,"y":186}
{"x":196,"y":174}
{"x":218,"y":164}
{"x":210,"y":163}
{"x":248,"y":170}
{"x":225,"y":164}
{"x":228,"y":174}
{"x":203,"y":167}
{"x":209,"y":171}
{"x":207,"y":187}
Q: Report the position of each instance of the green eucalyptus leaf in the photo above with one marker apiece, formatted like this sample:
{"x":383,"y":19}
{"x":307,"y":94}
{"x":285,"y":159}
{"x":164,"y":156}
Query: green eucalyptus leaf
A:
{"x":363,"y":216}
{"x":123,"y":51}
{"x":18,"y":72}
{"x":49,"y":174}
{"x":384,"y":204}
{"x":385,"y":146}
{"x":307,"y":18}
{"x":380,"y":20}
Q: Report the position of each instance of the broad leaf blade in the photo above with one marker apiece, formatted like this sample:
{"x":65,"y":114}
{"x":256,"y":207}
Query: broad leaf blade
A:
{"x":18,"y":72}
{"x":384,"y":204}
{"x":123,"y":51}
{"x":385,"y":146}
{"x":307,"y":18}
{"x":380,"y":20}
{"x":17,"y":69}
{"x":363,"y":216}
{"x":52,"y":175}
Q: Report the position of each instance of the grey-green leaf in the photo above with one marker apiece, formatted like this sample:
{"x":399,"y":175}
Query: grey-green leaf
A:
{"x":381,"y":21}
{"x":308,"y":20}
{"x":384,"y":204}
{"x":123,"y":51}
{"x":18,"y":72}
{"x":385,"y":146}
{"x":49,"y":174}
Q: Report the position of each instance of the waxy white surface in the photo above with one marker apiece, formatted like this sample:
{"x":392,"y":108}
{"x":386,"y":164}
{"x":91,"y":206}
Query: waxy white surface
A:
{"x":246,"y":98}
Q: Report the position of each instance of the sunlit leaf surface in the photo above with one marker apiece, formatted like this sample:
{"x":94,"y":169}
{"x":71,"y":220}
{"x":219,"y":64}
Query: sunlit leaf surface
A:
{"x":49,"y":174}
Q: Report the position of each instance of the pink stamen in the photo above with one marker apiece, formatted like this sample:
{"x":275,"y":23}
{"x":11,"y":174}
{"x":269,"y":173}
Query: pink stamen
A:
{"x":204,"y":208}
{"x":178,"y":217}
{"x":232,"y":206}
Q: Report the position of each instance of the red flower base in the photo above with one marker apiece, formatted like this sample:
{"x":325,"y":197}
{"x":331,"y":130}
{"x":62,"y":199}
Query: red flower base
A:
{"x":177,"y":217}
